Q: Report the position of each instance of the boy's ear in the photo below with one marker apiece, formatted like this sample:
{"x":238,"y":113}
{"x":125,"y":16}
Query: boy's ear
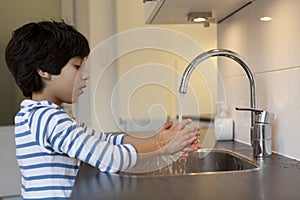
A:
{"x":43,"y":74}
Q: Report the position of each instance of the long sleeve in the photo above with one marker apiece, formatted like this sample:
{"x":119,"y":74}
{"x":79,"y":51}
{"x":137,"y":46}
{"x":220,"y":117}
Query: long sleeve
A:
{"x":111,"y":138}
{"x":54,"y":129}
{"x":50,"y":146}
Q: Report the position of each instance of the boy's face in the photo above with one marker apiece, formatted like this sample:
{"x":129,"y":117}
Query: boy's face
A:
{"x":69,"y":84}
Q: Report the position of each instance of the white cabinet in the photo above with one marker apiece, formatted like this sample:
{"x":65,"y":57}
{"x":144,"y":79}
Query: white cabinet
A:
{"x":176,"y":11}
{"x":10,"y":176}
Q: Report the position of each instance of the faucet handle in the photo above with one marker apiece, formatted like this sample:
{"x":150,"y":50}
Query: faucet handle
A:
{"x":261,"y":116}
{"x":249,"y":109}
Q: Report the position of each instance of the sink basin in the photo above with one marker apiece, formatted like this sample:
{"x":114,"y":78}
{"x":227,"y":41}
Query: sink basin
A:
{"x":204,"y":161}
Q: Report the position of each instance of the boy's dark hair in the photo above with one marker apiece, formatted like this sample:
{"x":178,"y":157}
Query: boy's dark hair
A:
{"x":45,"y":45}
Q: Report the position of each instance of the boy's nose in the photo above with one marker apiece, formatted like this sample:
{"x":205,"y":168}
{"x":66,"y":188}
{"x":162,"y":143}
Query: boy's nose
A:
{"x":84,"y":75}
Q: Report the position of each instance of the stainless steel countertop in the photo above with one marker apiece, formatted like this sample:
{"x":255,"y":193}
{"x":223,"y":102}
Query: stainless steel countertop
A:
{"x":278,"y":178}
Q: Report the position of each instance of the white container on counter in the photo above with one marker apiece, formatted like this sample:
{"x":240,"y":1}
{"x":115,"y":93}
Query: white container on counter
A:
{"x":223,"y":123}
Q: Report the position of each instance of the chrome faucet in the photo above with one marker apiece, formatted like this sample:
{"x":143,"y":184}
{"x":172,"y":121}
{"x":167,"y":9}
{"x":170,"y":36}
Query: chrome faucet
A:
{"x":260,"y":127}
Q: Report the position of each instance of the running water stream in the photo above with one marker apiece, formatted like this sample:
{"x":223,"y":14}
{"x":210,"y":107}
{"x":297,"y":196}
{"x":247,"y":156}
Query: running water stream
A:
{"x":181,"y":98}
{"x":175,"y":163}
{"x":183,"y":161}
{"x":170,"y":164}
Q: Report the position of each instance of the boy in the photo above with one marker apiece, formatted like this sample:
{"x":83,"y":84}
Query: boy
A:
{"x":45,"y":59}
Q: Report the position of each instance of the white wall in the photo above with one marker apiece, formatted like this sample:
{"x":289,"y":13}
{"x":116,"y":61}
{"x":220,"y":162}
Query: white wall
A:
{"x":105,"y":102}
{"x":272,"y":51}
{"x":160,"y":67}
{"x":96,"y":20}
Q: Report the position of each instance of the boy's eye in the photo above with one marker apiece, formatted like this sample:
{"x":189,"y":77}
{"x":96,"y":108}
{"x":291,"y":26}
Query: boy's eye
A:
{"x":78,"y":66}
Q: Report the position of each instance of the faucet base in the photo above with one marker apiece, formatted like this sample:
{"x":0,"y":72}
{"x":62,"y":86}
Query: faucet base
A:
{"x":262,"y":148}
{"x":262,"y":140}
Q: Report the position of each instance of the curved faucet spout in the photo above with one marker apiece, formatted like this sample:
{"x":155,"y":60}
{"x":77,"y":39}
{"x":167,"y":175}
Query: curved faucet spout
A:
{"x":234,"y":56}
{"x":219,"y":52}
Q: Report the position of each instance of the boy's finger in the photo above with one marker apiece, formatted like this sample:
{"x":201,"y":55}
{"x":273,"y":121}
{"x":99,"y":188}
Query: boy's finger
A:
{"x":194,"y":129}
{"x":184,"y":155}
{"x":181,"y":125}
{"x":192,"y":148}
{"x":166,"y":126}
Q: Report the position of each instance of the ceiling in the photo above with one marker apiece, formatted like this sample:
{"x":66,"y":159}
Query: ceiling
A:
{"x":176,"y":11}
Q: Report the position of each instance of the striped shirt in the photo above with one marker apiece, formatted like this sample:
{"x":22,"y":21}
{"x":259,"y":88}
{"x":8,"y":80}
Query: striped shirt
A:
{"x":50,"y":146}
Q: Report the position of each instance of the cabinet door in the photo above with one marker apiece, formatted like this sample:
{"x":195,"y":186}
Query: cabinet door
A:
{"x":10,"y":180}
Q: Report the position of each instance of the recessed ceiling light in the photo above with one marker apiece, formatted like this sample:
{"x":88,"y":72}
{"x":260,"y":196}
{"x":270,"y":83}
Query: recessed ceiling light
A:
{"x":265,"y":19}
{"x":199,"y":19}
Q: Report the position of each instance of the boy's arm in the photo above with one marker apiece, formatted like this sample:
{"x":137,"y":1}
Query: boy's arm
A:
{"x":170,"y":143}
{"x":108,"y":137}
{"x":55,"y":130}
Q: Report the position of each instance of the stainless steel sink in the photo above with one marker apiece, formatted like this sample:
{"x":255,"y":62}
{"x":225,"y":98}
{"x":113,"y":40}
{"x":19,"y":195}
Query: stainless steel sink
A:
{"x":204,"y":161}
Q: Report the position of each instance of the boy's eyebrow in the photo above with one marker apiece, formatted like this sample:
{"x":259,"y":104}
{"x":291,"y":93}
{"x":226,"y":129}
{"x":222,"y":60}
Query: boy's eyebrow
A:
{"x":77,"y":59}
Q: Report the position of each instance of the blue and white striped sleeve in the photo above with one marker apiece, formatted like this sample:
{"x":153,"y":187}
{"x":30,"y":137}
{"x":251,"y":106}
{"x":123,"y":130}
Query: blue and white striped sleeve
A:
{"x":109,"y":137}
{"x":56,"y":130}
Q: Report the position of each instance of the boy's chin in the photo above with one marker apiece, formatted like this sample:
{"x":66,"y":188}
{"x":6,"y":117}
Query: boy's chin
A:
{"x":74,"y":101}
{"x":75,"y":98}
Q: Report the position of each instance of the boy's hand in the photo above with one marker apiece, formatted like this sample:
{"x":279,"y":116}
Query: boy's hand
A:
{"x":178,"y":139}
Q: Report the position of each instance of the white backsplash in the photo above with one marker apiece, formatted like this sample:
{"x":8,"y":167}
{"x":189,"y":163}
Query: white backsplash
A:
{"x":272,"y":51}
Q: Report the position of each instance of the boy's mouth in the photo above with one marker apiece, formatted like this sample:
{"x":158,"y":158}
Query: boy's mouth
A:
{"x":81,"y":89}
